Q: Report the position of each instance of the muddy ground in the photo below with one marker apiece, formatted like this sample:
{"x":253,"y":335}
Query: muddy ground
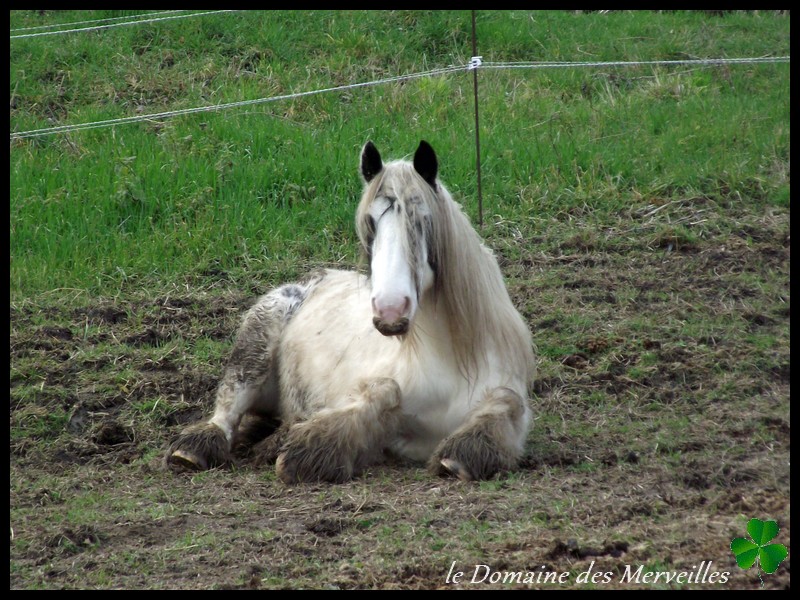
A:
{"x":662,"y":426}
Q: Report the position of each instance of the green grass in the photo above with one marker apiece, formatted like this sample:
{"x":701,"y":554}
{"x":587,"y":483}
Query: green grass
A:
{"x":259,"y":193}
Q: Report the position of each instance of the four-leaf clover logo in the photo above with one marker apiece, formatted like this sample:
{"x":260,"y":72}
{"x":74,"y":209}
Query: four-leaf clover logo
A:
{"x":769,"y":556}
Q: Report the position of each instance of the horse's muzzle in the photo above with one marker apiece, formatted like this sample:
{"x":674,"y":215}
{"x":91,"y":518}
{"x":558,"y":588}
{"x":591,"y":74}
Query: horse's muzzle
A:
{"x":399,"y":327}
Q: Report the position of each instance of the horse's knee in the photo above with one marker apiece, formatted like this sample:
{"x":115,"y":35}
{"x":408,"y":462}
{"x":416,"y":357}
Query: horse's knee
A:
{"x":382,"y":392}
{"x":197,"y":448}
{"x":508,"y":398}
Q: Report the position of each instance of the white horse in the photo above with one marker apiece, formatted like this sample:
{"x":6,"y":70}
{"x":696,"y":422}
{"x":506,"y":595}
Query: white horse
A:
{"x":425,"y":357}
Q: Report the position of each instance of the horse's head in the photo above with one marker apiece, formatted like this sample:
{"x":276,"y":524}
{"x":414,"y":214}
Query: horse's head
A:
{"x":394,"y":224}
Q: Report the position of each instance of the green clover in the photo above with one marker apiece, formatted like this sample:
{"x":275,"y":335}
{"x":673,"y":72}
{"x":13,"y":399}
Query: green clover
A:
{"x":769,"y":556}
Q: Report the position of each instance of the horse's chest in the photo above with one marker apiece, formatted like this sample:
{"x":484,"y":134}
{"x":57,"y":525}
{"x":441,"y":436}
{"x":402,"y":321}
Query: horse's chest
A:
{"x":331,"y":346}
{"x":430,"y":386}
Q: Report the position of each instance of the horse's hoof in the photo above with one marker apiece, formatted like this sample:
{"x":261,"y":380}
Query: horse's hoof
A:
{"x":182,"y":460}
{"x":456,"y":468}
{"x":280,"y":470}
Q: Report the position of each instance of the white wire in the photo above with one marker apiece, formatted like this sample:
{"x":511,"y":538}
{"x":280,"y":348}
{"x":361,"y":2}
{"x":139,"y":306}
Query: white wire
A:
{"x":55,"y":25}
{"x":688,"y":61}
{"x":217,"y":107}
{"x":96,"y":27}
{"x":452,"y":69}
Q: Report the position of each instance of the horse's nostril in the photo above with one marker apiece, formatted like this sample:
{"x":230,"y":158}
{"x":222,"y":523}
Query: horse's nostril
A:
{"x":391,"y":311}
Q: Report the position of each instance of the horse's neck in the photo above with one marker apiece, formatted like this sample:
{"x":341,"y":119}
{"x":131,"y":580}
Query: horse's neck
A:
{"x":431,"y":320}
{"x":431,"y":331}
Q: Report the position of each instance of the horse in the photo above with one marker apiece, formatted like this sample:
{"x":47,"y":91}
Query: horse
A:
{"x":423,"y":357}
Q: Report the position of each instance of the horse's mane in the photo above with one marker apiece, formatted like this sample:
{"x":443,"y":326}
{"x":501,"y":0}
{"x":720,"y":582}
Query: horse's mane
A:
{"x":469,"y":288}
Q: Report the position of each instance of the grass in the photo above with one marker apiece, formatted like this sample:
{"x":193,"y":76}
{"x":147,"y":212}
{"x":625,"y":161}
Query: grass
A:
{"x":258,"y":192}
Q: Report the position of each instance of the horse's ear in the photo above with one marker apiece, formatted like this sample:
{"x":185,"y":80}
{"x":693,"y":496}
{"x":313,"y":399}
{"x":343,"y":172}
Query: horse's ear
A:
{"x":371,"y":163}
{"x":425,"y":163}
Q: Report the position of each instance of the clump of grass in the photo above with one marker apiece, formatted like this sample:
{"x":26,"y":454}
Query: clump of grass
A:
{"x":673,"y":237}
{"x":585,"y":240}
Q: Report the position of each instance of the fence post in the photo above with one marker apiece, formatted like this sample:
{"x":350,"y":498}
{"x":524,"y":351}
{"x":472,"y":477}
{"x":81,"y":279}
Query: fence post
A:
{"x":477,"y":125}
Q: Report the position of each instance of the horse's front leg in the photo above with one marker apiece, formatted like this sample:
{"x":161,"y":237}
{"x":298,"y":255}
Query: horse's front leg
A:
{"x":491,"y":440}
{"x":335,"y":444}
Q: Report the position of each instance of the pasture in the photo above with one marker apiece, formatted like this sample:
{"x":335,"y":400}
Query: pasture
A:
{"x":640,"y":216}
